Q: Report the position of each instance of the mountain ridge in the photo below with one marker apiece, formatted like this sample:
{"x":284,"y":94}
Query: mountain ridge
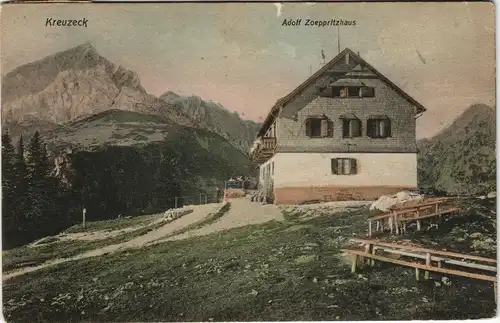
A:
{"x":78,"y":82}
{"x":74,"y":83}
{"x":215,"y":117}
{"x":461,"y":159}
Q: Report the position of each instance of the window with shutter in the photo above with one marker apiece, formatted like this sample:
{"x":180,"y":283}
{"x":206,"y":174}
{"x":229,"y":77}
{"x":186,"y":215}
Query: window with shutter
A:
{"x":344,"y":166}
{"x":317,"y":127}
{"x":345,"y":91}
{"x":351,"y":128}
{"x":379,"y":128}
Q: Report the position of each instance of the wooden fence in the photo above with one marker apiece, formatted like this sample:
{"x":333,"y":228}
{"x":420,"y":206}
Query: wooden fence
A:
{"x":428,"y":260}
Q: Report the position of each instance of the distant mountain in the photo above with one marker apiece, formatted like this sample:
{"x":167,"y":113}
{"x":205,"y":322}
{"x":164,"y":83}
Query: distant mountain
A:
{"x":79,"y":82}
{"x":112,"y":141}
{"x":216,"y":118}
{"x":75,"y":83}
{"x":141,"y":161}
{"x":461,"y":159}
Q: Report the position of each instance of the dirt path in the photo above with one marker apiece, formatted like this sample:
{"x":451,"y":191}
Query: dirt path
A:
{"x":199,"y":213}
{"x":94,"y":235}
{"x":242,"y":213}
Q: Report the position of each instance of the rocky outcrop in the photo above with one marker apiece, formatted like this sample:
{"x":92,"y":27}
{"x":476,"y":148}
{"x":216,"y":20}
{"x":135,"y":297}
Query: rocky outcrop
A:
{"x":74,"y":84}
{"x":214,"y":117}
{"x":461,"y":159}
{"x":63,"y":169}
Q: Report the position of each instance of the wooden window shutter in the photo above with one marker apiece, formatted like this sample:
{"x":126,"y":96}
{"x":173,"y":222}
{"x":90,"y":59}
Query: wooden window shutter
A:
{"x":336,"y":91}
{"x":381,"y":128}
{"x":369,"y":128}
{"x":335,"y":166}
{"x":345,"y":128}
{"x":330,"y":128}
{"x":387,"y":127}
{"x":354,"y":166}
{"x":367,"y":92}
{"x":324,"y":127}
{"x":308,"y":127}
{"x":355,"y":128}
{"x":347,"y":166}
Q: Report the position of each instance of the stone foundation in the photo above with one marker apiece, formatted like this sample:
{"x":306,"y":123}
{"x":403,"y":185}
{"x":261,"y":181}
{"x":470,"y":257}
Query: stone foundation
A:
{"x":298,"y":195}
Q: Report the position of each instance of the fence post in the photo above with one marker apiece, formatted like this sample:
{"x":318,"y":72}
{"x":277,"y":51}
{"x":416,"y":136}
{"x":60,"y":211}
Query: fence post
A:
{"x":176,"y":202}
{"x":83,"y":217}
{"x":200,"y":198}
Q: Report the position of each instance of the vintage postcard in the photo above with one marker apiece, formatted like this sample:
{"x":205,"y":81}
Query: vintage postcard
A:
{"x":170,"y":162}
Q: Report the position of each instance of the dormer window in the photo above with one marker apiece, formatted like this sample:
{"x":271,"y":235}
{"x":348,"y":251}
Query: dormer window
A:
{"x":353,"y":92}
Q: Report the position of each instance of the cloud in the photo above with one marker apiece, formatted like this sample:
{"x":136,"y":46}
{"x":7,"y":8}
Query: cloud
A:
{"x":279,"y":6}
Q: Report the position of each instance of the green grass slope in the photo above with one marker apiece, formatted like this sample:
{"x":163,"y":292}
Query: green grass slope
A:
{"x":276,"y":271}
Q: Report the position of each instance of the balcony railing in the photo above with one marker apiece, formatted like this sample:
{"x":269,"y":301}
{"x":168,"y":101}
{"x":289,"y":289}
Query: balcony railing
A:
{"x":263,"y":149}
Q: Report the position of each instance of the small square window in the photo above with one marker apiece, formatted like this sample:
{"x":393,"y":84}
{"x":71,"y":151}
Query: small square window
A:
{"x":344,"y":166}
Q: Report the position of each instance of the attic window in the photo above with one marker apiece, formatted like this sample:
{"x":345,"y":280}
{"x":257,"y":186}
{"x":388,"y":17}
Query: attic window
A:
{"x":353,"y":92}
{"x":318,"y":127}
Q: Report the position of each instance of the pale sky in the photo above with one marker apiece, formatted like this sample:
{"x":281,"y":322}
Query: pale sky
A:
{"x":240,"y":55}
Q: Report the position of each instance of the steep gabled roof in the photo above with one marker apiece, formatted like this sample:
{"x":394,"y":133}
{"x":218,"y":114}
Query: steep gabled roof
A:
{"x":286,"y":99}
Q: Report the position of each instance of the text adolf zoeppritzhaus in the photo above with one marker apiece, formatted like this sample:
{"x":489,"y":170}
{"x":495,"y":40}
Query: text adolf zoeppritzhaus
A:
{"x":66,"y":23}
{"x":318,"y":23}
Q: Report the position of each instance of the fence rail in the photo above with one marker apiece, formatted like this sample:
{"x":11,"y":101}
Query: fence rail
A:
{"x":202,"y":198}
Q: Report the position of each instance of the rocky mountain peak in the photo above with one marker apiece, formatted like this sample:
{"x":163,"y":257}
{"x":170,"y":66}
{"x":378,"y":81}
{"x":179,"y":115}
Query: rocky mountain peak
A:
{"x":74,"y":83}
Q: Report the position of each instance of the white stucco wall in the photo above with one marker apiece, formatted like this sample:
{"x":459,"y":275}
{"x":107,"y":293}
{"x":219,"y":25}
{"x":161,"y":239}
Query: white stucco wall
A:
{"x":374,"y":169}
{"x":263,"y":166}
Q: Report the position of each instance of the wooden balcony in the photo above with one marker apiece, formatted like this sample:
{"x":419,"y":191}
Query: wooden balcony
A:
{"x":264,"y":150}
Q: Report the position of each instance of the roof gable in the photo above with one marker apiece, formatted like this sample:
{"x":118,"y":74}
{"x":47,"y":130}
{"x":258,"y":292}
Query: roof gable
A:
{"x":346,"y":62}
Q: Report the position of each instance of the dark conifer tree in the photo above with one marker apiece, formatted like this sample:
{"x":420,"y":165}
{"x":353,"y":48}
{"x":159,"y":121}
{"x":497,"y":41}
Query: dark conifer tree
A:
{"x":9,"y":222}
{"x":38,"y":187}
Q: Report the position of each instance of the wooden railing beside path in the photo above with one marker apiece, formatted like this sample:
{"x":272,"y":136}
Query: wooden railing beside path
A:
{"x":398,"y":218}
